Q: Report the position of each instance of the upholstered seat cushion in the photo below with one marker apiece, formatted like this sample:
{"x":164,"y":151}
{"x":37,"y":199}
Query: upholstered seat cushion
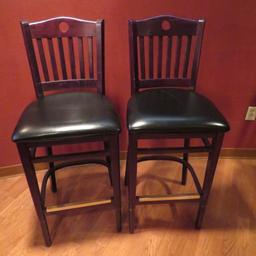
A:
{"x":67,"y":114}
{"x":173,"y":110}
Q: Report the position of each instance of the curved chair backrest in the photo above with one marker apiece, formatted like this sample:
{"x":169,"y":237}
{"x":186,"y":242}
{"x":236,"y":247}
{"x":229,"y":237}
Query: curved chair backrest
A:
{"x":164,"y":52}
{"x":65,"y":52}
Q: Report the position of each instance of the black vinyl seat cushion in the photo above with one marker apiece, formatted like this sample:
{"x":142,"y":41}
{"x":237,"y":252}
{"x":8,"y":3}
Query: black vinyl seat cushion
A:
{"x":67,"y":114}
{"x":173,"y":110}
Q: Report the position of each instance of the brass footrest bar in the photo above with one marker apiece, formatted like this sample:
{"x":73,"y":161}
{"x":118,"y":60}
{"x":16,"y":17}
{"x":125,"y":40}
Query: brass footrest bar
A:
{"x":70,"y":206}
{"x":160,"y":199}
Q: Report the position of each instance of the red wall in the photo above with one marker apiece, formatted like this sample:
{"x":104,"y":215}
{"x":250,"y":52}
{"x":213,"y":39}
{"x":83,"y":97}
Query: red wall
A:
{"x":228,"y":63}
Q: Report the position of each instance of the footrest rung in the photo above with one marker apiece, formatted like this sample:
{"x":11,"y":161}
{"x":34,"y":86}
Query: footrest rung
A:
{"x":167,"y":198}
{"x":70,"y":206}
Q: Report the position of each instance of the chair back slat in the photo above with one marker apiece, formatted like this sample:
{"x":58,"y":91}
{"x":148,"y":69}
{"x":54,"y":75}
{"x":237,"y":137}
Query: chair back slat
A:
{"x":173,"y":46}
{"x":160,"y":56}
{"x":53,"y":59}
{"x":43,"y":59}
{"x":62,"y":59}
{"x":187,"y":56}
{"x":151,"y":57}
{"x":177,"y":58}
{"x":62,"y":63}
{"x":168,"y":56}
{"x":72,"y":57}
{"x":81,"y":56}
{"x":142,"y":57}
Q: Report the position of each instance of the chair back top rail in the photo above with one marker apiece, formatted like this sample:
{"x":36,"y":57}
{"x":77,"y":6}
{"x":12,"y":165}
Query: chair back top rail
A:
{"x":51,"y":28}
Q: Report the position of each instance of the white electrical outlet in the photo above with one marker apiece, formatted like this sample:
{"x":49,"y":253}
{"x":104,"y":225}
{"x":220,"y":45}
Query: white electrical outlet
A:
{"x":251,"y":113}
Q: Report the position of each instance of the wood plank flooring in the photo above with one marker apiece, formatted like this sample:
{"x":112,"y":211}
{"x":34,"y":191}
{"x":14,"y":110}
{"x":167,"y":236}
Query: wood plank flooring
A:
{"x":229,"y":226}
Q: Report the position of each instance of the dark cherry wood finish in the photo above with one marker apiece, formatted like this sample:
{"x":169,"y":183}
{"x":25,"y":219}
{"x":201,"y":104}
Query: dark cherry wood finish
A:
{"x":67,"y":72}
{"x":174,"y":71}
{"x":175,"y":65}
{"x":41,"y":36}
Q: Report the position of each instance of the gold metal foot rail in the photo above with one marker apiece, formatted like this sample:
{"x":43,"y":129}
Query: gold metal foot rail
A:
{"x":69,"y":206}
{"x":166,"y":198}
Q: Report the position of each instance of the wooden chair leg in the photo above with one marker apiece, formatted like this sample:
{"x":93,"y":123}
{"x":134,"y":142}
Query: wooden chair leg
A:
{"x":115,"y":173}
{"x":53,"y":177}
{"x":132,"y":173}
{"x":184,"y":169}
{"x":209,"y":175}
{"x":106,"y":147}
{"x":126,"y":177}
{"x":34,"y":190}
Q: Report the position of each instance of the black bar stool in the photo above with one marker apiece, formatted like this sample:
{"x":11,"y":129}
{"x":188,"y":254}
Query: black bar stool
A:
{"x":164,"y":61}
{"x":72,"y":116}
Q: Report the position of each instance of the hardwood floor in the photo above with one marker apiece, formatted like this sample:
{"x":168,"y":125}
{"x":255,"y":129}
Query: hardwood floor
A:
{"x":229,"y":226}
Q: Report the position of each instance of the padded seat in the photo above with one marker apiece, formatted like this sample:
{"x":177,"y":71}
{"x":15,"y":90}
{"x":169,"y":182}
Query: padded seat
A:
{"x":173,"y":110}
{"x":67,"y":114}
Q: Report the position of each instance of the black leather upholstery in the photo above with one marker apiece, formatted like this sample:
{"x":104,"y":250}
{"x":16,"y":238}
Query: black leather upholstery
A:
{"x":173,"y":110}
{"x":67,"y":114}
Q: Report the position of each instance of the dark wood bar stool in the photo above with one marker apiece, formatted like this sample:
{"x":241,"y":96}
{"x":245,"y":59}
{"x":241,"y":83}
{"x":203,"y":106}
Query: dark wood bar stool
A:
{"x":164,"y":62}
{"x":66,"y":56}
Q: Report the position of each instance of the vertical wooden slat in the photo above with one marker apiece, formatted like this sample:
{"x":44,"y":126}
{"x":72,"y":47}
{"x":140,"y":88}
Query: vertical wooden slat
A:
{"x":168,"y":57}
{"x":81,"y":57}
{"x":151,"y":58}
{"x":187,"y":56}
{"x":42,"y":58}
{"x":62,"y":58}
{"x":177,"y":60}
{"x":90,"y":56}
{"x":72,"y":57}
{"x":53,"y":59}
{"x":142,"y":57}
{"x":160,"y":56}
